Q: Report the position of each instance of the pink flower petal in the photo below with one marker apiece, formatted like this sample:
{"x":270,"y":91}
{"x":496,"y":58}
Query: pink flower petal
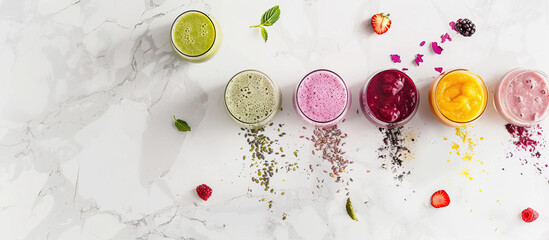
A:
{"x":453,"y":25}
{"x":404,"y":69}
{"x":419,"y":58}
{"x":436,"y":48}
{"x":422,"y":43}
{"x":438,"y":69}
{"x":395,"y":58}
{"x":445,"y":37}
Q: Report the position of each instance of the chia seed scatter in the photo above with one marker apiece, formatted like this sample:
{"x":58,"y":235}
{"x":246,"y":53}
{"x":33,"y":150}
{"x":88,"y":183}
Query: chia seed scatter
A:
{"x":394,"y":149}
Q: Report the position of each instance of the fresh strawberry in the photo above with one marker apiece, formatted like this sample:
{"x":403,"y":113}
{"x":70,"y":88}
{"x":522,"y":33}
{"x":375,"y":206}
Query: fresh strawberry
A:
{"x":204,"y":192}
{"x":440,"y":199}
{"x":381,"y":23}
{"x":529,"y":215}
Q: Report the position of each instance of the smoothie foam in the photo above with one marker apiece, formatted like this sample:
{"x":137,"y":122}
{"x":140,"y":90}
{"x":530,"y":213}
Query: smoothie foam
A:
{"x":252,"y":98}
{"x":194,"y":34}
{"x":322,"y":96}
{"x":524,"y":94}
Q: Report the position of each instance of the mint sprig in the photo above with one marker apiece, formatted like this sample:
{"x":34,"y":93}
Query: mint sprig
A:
{"x":268,"y":19}
{"x":181,"y":125}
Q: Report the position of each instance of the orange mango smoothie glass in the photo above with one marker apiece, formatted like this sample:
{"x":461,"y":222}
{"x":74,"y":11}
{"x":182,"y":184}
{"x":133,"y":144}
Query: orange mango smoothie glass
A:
{"x":458,"y":97}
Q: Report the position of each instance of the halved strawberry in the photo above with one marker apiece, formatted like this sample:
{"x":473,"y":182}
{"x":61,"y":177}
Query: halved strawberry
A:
{"x":440,"y":199}
{"x":381,"y":23}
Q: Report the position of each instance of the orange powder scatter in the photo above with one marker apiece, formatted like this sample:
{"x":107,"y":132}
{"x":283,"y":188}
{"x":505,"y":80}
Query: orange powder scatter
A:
{"x":465,"y":173}
{"x":464,"y":147}
{"x":455,"y":147}
{"x":467,"y":141}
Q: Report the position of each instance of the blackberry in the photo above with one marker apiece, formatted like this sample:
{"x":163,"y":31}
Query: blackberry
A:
{"x":465,"y":27}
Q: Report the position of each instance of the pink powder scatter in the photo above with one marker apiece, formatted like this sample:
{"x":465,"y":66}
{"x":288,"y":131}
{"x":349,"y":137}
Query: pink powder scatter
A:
{"x":445,"y":37}
{"x":419,"y":58}
{"x":404,"y":69}
{"x":422,"y":43}
{"x":395,"y":58}
{"x":436,"y":48}
{"x":438,"y":69}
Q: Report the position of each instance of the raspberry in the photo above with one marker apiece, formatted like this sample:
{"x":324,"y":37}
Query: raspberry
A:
{"x":529,"y":215}
{"x":204,"y":192}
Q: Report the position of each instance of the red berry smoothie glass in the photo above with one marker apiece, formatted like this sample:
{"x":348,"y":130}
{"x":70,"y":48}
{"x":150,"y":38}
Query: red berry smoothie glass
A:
{"x":322,"y":98}
{"x":389,"y":99}
{"x":522,"y":97}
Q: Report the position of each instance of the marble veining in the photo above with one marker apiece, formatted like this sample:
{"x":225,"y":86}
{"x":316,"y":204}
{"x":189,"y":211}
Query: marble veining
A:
{"x":88,"y":149}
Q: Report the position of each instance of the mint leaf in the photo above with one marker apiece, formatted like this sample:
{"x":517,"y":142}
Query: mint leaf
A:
{"x":270,"y":16}
{"x":264,"y":33}
{"x":268,"y":19}
{"x":181,"y":125}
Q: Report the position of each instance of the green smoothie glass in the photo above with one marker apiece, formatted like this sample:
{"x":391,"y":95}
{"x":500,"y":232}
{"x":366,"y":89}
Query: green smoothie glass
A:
{"x":195,"y":36}
{"x":252,"y":99}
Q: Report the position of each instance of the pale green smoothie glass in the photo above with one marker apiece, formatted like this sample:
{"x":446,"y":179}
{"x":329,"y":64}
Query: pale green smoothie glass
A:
{"x":252,"y":99}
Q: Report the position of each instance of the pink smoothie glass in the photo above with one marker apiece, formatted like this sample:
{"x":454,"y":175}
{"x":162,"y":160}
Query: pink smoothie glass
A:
{"x":522,"y":97}
{"x":322,"y":98}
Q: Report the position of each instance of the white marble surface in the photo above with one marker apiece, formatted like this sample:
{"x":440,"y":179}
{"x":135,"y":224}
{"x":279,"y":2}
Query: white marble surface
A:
{"x":88,"y":149}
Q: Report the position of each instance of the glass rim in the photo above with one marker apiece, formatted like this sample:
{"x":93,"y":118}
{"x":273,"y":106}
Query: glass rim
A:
{"x":484,"y":89}
{"x":275,"y":87}
{"x":501,"y":86}
{"x":365,"y":88}
{"x":347,"y":92}
{"x":172,"y":32}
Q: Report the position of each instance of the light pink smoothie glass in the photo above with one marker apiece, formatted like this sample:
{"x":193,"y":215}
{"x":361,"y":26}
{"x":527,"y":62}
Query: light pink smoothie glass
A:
{"x":322,"y":98}
{"x":522,"y":97}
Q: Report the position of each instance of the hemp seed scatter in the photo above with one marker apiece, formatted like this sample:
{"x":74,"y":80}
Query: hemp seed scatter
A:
{"x":265,"y":157}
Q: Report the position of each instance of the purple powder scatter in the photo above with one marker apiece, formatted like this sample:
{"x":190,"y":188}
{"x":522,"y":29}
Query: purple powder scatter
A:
{"x":438,"y":69}
{"x":395,"y":58}
{"x":422,"y":43}
{"x":404,"y":69}
{"x":419,"y":58}
{"x":523,"y":138}
{"x":436,"y":48}
{"x":527,"y":145}
{"x":445,"y":37}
